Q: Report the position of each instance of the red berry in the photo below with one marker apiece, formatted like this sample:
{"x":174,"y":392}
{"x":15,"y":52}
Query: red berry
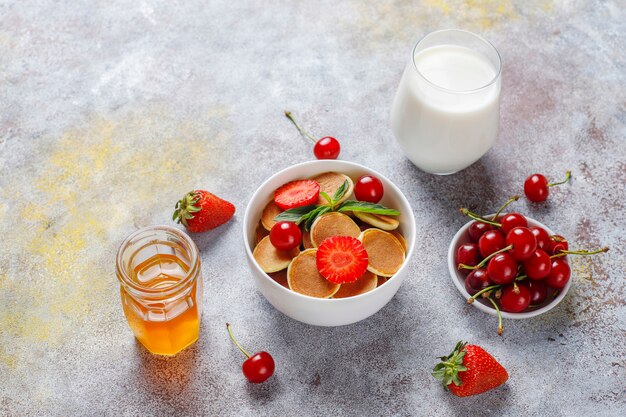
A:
{"x":538,"y":265}
{"x":468,"y":254}
{"x":559,"y":274}
{"x":369,"y":188}
{"x":542,"y":236}
{"x":285,"y":235}
{"x":536,"y":188}
{"x":200,"y":211}
{"x":327,"y":148}
{"x":557,"y":243}
{"x":523,"y":241}
{"x":341,"y":259}
{"x":258,"y":367}
{"x":538,"y":291}
{"x":480,"y":372}
{"x":511,"y":220}
{"x":297,"y":193}
{"x":515,"y":298}
{"x":491,"y":241}
{"x":476,"y":230}
{"x":502,"y":268}
{"x":477,"y":280}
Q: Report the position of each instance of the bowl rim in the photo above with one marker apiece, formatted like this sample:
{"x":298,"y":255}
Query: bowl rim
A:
{"x":455,"y":276}
{"x":410,"y":219}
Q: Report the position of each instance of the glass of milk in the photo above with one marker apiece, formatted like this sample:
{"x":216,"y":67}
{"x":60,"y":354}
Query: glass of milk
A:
{"x":446,"y":110}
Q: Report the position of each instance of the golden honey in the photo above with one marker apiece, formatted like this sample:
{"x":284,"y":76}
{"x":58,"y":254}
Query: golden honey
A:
{"x":161,"y":288}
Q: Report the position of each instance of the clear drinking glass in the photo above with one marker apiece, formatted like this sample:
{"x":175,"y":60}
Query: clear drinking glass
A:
{"x":161,"y":288}
{"x":446,"y":111}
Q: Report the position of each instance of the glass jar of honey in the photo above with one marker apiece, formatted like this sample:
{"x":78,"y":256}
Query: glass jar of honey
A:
{"x":161,"y":288}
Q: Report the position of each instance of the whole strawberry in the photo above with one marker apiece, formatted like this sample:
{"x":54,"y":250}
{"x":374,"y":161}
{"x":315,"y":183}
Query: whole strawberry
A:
{"x":200,"y":211}
{"x":469,"y":370}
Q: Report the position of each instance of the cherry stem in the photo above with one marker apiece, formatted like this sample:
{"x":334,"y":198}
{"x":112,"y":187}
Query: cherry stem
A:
{"x":509,"y":201}
{"x":568,"y":175}
{"x":478,"y":218}
{"x":500,"y":327}
{"x":521,"y":277}
{"x":484,"y":290}
{"x":304,"y":132}
{"x":484,"y":261}
{"x":579,"y":252}
{"x":230,"y":332}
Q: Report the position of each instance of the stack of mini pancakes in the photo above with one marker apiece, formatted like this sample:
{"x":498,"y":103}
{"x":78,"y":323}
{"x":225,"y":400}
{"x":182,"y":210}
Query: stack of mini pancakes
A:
{"x":297,"y":269}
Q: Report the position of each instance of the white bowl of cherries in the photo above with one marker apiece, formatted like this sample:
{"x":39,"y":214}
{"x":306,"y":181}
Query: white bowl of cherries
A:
{"x":510,"y":265}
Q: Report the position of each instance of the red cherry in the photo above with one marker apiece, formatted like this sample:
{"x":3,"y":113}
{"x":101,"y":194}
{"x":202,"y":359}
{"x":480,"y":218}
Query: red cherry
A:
{"x":523,"y":241}
{"x":468,"y":254}
{"x":327,"y":148}
{"x":369,"y":188}
{"x":538,"y":291}
{"x":476,"y":230}
{"x":258,"y":367}
{"x":515,"y":298}
{"x":324,"y":148}
{"x":559,"y":274}
{"x":477,"y":280}
{"x":538,"y":265}
{"x":542,"y":236}
{"x":285,"y":235}
{"x":511,"y":220}
{"x":536,"y":188}
{"x":557,"y":243}
{"x":502,"y":268}
{"x":491,"y":241}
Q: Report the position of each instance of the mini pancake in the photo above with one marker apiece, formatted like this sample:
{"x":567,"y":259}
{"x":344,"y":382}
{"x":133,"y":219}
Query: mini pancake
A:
{"x":401,"y":239}
{"x":366,"y":283}
{"x":270,"y":211}
{"x":280,"y":277}
{"x":260,"y":232}
{"x":304,"y":278}
{"x":306,"y":240}
{"x":385,"y":253}
{"x":329,"y":183}
{"x":333,"y":224}
{"x":379,"y":220}
{"x":271,"y":259}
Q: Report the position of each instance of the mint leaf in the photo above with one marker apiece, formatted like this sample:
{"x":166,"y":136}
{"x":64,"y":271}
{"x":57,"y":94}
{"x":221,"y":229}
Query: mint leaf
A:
{"x":365,"y":207}
{"x":326,"y":197}
{"x":340,"y":192}
{"x":296,"y":215}
{"x":315,"y":214}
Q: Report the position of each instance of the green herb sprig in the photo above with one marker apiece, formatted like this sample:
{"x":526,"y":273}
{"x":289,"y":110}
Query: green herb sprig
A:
{"x":308,"y":214}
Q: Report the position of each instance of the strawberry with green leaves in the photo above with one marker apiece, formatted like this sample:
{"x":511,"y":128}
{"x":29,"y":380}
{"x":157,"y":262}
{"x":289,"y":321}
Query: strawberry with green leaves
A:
{"x":469,"y":370}
{"x":200,"y":211}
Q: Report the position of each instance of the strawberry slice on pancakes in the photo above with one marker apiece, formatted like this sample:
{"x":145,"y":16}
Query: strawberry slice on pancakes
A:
{"x":341,"y":259}
{"x":297,"y":193}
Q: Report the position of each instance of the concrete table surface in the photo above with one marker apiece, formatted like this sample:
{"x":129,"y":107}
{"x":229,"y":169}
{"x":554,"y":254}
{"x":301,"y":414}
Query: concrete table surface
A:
{"x":110,"y":111}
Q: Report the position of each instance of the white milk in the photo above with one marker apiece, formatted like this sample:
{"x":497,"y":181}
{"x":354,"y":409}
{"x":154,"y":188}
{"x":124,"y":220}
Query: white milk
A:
{"x":446,"y":116}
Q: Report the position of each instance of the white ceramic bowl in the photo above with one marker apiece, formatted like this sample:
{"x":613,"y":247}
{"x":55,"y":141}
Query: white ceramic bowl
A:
{"x":317,"y":311}
{"x":458,"y":278}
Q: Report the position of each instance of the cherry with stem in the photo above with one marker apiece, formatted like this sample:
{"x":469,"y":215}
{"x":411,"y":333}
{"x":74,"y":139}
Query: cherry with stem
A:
{"x":325,"y":148}
{"x":258,"y":367}
{"x":484,"y":261}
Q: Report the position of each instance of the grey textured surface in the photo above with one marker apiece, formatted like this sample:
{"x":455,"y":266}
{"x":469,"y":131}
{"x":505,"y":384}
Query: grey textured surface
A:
{"x":109,"y":111}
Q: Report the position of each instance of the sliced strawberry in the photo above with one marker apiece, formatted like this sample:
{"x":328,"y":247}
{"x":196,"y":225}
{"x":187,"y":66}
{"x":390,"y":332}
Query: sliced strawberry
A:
{"x":297,"y":193}
{"x":341,"y":259}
